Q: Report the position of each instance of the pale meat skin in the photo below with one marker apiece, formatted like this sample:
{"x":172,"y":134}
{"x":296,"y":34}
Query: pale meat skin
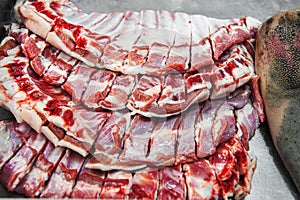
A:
{"x":278,"y":65}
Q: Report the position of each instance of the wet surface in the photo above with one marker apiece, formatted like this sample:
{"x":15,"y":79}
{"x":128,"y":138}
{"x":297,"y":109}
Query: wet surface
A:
{"x":271,"y":179}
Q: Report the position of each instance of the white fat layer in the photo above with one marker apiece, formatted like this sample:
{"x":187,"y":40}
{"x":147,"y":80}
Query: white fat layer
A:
{"x":13,"y":51}
{"x":74,"y":147}
{"x":50,"y":135}
{"x":32,"y":118}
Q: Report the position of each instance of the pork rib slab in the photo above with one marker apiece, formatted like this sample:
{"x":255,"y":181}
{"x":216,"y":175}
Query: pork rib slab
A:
{"x":89,"y":183}
{"x":13,"y":136}
{"x":144,"y":184}
{"x":20,"y":164}
{"x":136,"y":142}
{"x":63,"y":178}
{"x":34,"y":182}
{"x":109,"y":143}
{"x":172,"y":183}
{"x":116,"y":185}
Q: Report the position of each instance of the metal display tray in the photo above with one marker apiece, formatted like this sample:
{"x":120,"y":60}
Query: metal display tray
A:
{"x":271,"y":179}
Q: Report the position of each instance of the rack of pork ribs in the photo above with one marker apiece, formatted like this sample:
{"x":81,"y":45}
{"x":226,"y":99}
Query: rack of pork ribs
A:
{"x":149,"y":104}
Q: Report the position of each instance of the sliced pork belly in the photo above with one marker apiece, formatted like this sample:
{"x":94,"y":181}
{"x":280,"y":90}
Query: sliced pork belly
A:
{"x":60,"y":69}
{"x":98,"y":88}
{"x":144,"y":184}
{"x":172,"y":184}
{"x":13,"y":136}
{"x":145,"y":94}
{"x":136,"y":142}
{"x":116,"y":54}
{"x":186,"y":144}
{"x":35,"y":19}
{"x":88,"y":184}
{"x":81,"y":134}
{"x":201,"y":180}
{"x":34,"y":182}
{"x":179,"y":54}
{"x":233,"y":168}
{"x":41,"y":63}
{"x":108,"y":145}
{"x":20,"y":164}
{"x":173,"y":96}
{"x":204,"y":125}
{"x":119,"y":93}
{"x":116,"y":185}
{"x":163,"y":142}
{"x":247,"y":122}
{"x":63,"y":178}
{"x":33,"y":46}
{"x":77,"y":81}
{"x":201,"y":53}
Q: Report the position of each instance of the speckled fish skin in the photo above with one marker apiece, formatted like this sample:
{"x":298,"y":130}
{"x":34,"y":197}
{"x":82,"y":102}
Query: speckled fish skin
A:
{"x":278,"y":65}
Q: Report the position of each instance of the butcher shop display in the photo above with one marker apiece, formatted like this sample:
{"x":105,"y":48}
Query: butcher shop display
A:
{"x":127,"y":105}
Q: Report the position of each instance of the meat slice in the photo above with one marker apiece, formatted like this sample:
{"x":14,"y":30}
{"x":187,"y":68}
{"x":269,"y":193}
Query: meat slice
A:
{"x":38,"y":22}
{"x":109,"y":143}
{"x":165,"y":19}
{"x":34,"y":182}
{"x":144,"y":184}
{"x":247,"y":121}
{"x":186,"y":144}
{"x":63,"y":178}
{"x":145,"y":94}
{"x":81,"y":135}
{"x":98,"y":88}
{"x":60,"y":69}
{"x":233,"y":166}
{"x":88,"y":184}
{"x":179,"y":54}
{"x":163,"y":142}
{"x":201,"y":180}
{"x":116,"y":185}
{"x":20,"y":164}
{"x":41,"y":63}
{"x":77,"y":81}
{"x":172,"y":183}
{"x":173,"y":96}
{"x":156,"y":59}
{"x":201,"y":53}
{"x":204,"y":126}
{"x":115,"y":54}
{"x":33,"y":46}
{"x":136,"y":142}
{"x":119,"y":93}
{"x":13,"y":136}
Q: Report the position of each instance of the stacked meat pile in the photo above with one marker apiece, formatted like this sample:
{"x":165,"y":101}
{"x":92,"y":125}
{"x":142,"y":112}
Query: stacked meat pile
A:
{"x":147,"y":104}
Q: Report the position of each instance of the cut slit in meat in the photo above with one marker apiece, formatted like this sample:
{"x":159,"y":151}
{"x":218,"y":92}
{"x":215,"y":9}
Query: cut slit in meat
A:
{"x":41,"y":171}
{"x":225,"y":174}
{"x":136,"y":142}
{"x":109,"y":143}
{"x":88,"y":183}
{"x":98,"y":88}
{"x":16,"y":168}
{"x":87,"y":39}
{"x":214,"y":81}
{"x":63,"y":178}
